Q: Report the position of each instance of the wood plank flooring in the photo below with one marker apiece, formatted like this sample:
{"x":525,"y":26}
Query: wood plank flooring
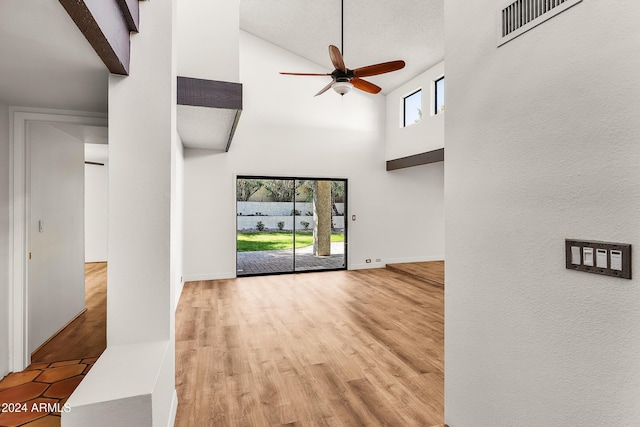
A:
{"x":86,"y":336}
{"x":432,"y":272}
{"x":352,"y":348}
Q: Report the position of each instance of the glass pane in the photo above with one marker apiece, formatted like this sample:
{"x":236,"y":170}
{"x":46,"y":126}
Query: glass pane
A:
{"x":413,"y":108}
{"x":264,"y":226}
{"x":320,"y":231}
{"x":439,"y":96}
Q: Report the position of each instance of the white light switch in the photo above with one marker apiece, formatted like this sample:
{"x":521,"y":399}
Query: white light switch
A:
{"x":601,"y":258}
{"x":575,"y":255}
{"x":587,"y":256}
{"x":616,"y":260}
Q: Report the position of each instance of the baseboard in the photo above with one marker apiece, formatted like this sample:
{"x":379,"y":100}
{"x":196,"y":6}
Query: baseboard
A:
{"x":57,"y":332}
{"x":212,"y":276}
{"x":174,"y":409}
{"x":367,"y":266}
{"x":414,"y":259}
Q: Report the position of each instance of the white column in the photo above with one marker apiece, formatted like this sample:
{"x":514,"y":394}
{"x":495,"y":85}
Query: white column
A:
{"x":133,"y":383}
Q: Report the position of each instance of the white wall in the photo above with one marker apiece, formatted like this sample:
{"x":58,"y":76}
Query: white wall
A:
{"x":134,"y":379}
{"x":542,"y":145}
{"x":425,"y":135}
{"x":286,"y":131}
{"x":208,"y":39}
{"x":96,"y":198}
{"x":4,"y":239}
{"x":177,"y":217}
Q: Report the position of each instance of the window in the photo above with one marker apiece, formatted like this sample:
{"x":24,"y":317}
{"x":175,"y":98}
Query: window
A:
{"x":412,"y":108}
{"x":439,"y":96}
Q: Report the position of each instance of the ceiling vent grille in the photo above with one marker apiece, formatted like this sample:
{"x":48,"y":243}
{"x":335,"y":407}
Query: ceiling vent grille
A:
{"x":520,"y":16}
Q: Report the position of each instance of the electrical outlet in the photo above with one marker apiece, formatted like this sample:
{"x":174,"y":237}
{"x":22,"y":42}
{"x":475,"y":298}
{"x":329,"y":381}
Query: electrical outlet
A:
{"x":378,"y":260}
{"x":368,"y":260}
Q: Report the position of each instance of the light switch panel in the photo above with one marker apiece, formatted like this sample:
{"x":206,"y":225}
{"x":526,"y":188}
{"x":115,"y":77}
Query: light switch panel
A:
{"x":594,"y":256}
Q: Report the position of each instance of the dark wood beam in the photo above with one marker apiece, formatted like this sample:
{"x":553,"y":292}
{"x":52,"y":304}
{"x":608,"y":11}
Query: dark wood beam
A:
{"x":107,"y":25}
{"x":131,"y":11}
{"x":416,"y":160}
{"x":209,"y":93}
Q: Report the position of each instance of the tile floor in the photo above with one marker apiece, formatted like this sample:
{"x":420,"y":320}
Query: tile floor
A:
{"x":35,"y":396}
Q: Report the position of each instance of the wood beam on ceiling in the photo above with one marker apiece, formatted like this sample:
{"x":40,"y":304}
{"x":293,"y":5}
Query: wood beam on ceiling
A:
{"x":209,"y":93}
{"x":212,"y":94}
{"x":107,"y":25}
{"x":416,"y":160}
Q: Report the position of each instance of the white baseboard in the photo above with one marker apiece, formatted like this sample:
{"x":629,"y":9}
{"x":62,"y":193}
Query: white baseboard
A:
{"x":395,"y":261}
{"x":174,"y":409}
{"x":414,"y":259}
{"x":367,"y":266}
{"x":211,"y":276}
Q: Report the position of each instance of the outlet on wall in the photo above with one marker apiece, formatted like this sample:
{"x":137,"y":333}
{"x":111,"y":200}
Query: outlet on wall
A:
{"x":368,"y":260}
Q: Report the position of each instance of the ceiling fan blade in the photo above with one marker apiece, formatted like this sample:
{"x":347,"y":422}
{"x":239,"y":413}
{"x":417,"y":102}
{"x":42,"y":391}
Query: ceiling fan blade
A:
{"x":304,"y":74}
{"x":364,"y":85}
{"x":336,"y":58}
{"x":324,"y":89}
{"x":373,"y":70}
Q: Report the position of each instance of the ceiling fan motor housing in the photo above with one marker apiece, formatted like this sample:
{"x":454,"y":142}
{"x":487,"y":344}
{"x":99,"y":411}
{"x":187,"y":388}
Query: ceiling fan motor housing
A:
{"x":339,"y":76}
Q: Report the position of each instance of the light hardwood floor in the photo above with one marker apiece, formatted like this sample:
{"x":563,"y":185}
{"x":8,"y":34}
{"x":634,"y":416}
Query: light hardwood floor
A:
{"x":432,"y":272}
{"x":319,"y":349}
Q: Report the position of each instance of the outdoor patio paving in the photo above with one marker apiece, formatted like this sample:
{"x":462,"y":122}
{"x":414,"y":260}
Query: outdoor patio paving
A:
{"x":263,"y":262}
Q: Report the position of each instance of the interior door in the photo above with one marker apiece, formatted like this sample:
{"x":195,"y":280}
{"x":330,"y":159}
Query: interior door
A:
{"x":55,"y":272}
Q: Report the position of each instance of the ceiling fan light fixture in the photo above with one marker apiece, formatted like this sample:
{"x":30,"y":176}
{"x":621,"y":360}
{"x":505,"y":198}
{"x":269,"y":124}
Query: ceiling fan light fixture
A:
{"x":342,"y":87}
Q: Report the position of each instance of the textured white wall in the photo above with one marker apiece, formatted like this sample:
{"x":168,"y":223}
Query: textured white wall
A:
{"x":425,"y":135}
{"x":4,"y":239}
{"x":286,"y":131}
{"x":542,"y":144}
{"x":96,"y":198}
{"x":207,"y":39}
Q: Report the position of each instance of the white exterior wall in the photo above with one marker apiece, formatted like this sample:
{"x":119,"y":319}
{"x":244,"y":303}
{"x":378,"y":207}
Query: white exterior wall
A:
{"x":286,"y":131}
{"x":419,"y":137}
{"x":542,"y":145}
{"x":207,"y":43}
{"x":4,"y":239}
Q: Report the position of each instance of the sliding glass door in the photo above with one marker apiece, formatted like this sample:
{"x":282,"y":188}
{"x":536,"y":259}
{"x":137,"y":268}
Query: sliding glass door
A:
{"x":287,"y":225}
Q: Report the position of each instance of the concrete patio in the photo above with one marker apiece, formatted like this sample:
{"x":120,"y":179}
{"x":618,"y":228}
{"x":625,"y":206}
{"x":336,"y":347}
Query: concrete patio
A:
{"x":265,"y":262}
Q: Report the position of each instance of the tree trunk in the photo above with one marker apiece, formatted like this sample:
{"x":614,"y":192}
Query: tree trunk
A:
{"x":322,"y":218}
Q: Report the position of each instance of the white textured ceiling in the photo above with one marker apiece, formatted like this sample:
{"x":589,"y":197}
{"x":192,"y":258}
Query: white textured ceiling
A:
{"x":374,"y":31}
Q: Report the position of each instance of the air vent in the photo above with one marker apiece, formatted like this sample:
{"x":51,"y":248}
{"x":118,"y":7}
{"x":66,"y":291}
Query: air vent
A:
{"x":520,"y":16}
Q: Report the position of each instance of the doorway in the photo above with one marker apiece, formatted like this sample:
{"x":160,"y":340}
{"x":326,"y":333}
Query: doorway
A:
{"x":290,"y":225}
{"x":35,"y":227}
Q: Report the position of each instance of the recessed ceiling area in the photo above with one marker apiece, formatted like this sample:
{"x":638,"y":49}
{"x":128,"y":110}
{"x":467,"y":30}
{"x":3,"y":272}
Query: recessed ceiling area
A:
{"x":374,"y":31}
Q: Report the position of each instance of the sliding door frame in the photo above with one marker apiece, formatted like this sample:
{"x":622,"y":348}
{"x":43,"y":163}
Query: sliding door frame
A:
{"x":296,"y":179}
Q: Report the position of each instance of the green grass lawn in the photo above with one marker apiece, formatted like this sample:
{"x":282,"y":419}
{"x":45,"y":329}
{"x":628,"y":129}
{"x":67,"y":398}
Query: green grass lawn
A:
{"x":268,"y":241}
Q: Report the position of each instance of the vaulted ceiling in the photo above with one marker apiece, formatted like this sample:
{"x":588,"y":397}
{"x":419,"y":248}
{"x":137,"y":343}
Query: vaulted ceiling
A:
{"x":47,"y":62}
{"x":374,"y":31}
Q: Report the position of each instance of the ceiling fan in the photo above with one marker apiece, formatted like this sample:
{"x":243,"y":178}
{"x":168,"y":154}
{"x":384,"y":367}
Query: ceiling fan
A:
{"x":344,"y":79}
